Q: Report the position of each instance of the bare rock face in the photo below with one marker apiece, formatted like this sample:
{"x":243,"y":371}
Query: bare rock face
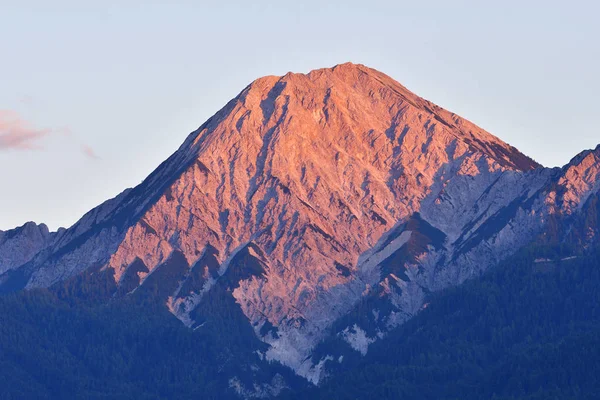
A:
{"x":309,"y":193}
{"x":19,"y":245}
{"x":580,"y":178}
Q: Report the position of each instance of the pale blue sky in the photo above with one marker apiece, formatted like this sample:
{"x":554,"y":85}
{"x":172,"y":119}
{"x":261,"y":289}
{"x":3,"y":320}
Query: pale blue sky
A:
{"x":106,"y":92}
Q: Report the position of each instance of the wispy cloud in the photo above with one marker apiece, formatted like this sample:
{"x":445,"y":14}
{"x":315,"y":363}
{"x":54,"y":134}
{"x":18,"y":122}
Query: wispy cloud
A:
{"x":18,"y":134}
{"x":89,"y":152}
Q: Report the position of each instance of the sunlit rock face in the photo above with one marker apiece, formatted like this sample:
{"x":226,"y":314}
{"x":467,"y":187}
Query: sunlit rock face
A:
{"x":308,"y":194}
{"x":579,"y":179}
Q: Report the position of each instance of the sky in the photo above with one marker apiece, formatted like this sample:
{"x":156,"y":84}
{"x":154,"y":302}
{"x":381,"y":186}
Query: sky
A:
{"x":94,"y":95}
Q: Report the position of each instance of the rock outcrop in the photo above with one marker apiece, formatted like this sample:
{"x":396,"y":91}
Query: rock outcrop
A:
{"x":19,"y":245}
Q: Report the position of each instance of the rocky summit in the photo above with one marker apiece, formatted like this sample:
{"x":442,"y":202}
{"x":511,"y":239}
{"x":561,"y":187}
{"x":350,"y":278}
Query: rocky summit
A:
{"x":328,"y":206}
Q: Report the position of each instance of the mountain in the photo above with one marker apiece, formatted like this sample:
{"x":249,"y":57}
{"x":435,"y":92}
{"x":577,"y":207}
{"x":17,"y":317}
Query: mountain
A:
{"x":315,"y":213}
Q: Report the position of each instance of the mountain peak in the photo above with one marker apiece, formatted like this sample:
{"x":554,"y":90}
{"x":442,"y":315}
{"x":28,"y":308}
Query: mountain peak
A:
{"x":347,"y":72}
{"x":593,"y":153}
{"x":31,"y":227}
{"x":361,"y":99}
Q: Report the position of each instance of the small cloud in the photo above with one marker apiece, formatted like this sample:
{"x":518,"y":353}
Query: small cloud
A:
{"x":18,"y":134}
{"x":89,"y":152}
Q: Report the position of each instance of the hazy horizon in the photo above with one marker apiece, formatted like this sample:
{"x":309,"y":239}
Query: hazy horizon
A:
{"x":84,"y":116}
